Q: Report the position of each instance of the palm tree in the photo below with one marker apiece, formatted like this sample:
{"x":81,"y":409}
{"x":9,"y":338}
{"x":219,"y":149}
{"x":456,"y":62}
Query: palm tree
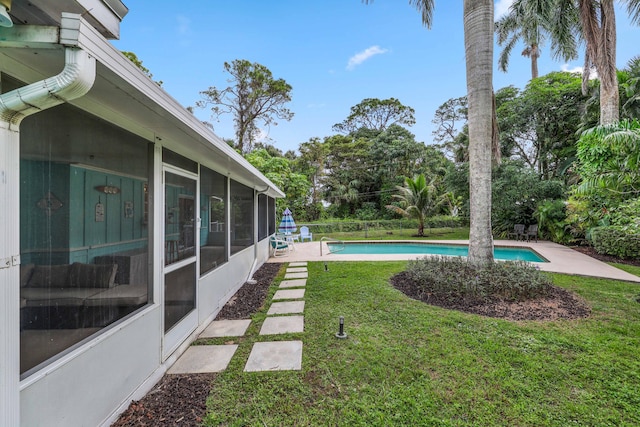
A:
{"x":478,"y":42}
{"x":533,"y":22}
{"x":599,"y":32}
{"x":417,"y":199}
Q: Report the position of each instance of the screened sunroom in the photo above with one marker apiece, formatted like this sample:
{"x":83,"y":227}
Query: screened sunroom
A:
{"x":125,"y":223}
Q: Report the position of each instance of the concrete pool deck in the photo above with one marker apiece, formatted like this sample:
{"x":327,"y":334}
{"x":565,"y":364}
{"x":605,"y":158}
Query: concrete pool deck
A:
{"x":561,"y":258}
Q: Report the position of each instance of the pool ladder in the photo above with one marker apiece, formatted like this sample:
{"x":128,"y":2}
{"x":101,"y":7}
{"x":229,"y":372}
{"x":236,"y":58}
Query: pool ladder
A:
{"x":339,"y":243}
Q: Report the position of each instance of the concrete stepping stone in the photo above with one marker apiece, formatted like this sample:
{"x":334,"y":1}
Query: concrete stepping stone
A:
{"x":296,"y":275}
{"x":200,"y":359}
{"x":282,"y":325}
{"x":275,"y":356}
{"x":298,"y":264}
{"x":287,"y":307}
{"x":296,"y":270}
{"x":288,"y":294}
{"x":295,"y":283}
{"x":226,"y":328}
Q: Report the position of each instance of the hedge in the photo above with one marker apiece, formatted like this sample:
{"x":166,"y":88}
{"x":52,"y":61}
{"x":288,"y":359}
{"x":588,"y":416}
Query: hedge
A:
{"x":617,"y":241}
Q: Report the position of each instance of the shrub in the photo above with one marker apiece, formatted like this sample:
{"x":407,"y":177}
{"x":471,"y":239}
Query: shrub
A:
{"x":627,"y":214}
{"x":339,"y":226}
{"x":617,"y":241}
{"x":456,"y":278}
{"x":551,"y":218}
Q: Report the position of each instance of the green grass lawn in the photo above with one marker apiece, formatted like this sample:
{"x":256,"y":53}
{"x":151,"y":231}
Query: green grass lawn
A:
{"x":408,"y":363}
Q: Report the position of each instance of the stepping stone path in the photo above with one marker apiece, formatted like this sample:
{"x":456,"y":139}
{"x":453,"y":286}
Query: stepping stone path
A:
{"x":285,"y":316}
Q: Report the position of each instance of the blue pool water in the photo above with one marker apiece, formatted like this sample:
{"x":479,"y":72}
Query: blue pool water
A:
{"x":383,"y":248}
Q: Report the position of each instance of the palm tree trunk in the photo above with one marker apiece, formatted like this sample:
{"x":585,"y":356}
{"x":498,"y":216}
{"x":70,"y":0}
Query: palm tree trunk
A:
{"x":609,"y":96}
{"x":599,"y":30}
{"x":535,"y":54}
{"x":478,"y":41}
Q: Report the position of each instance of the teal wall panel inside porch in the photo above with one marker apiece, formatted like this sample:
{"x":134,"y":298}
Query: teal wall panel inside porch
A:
{"x":72,"y":233}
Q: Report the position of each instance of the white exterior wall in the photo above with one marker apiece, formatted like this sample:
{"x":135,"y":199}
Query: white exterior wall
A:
{"x":219,"y":285}
{"x":85,"y":387}
{"x":9,"y":275}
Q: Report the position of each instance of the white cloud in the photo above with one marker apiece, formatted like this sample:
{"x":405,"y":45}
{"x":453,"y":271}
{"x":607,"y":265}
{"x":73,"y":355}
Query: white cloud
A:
{"x":577,"y":69}
{"x":501,"y":8}
{"x":569,"y":69}
{"x":360,"y":57}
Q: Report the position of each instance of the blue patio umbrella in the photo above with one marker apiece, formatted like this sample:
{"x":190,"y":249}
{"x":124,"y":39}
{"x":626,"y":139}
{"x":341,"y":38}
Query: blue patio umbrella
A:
{"x":287,"y":225}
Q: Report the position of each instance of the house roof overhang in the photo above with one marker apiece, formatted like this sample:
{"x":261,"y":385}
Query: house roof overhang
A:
{"x":124,"y":96}
{"x":104,"y":15}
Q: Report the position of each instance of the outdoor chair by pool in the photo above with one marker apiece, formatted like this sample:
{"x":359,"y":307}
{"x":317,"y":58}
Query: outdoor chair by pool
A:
{"x":532,"y":231}
{"x":304,"y":234}
{"x":518,"y":231}
{"x":278,"y":247}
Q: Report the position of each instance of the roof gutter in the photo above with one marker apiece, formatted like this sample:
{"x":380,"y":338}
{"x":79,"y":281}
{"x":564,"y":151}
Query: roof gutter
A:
{"x":74,"y":81}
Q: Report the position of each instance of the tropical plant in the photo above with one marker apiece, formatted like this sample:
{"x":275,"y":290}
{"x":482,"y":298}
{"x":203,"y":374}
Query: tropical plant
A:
{"x":631,"y":87}
{"x":610,"y":160}
{"x":417,"y":199}
{"x":533,"y":22}
{"x":517,"y":191}
{"x":551,"y":217}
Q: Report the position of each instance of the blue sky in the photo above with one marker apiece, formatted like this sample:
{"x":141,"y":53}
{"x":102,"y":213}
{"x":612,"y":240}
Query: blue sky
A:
{"x":334,"y":53}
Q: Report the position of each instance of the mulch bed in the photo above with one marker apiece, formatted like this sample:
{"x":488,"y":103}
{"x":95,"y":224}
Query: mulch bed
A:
{"x":558,"y":304}
{"x":181,"y":400}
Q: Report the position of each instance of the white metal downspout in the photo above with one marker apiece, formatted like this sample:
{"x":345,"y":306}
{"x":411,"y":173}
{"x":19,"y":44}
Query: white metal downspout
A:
{"x":74,"y":81}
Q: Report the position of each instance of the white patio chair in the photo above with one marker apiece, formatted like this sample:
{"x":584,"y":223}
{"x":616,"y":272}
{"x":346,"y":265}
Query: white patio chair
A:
{"x":278,"y":247}
{"x":304,"y":234}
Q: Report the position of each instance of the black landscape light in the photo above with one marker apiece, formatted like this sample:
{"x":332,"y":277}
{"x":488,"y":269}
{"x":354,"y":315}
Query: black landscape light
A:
{"x":341,"y":334}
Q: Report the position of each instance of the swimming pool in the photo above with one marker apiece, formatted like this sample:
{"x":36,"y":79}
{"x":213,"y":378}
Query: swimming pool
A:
{"x":385,"y":248}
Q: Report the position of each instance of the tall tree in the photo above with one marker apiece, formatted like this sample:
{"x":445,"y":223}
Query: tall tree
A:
{"x":533,"y":22}
{"x":376,"y":114}
{"x":417,"y":199}
{"x":599,"y":32}
{"x":254,"y":96}
{"x":451,"y":132}
{"x":312,"y":160}
{"x":478,"y":42}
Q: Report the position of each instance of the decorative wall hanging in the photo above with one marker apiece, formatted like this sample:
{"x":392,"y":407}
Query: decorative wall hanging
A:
{"x":128,"y":209}
{"x":145,"y":207}
{"x":49,"y":203}
{"x":108,"y":189}
{"x":99,"y":211}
